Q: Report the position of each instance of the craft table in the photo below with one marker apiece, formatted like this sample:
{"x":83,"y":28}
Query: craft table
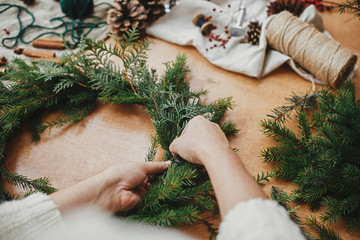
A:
{"x":113,"y":134}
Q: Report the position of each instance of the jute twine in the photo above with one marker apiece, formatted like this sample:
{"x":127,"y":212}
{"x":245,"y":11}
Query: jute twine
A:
{"x":319,"y":54}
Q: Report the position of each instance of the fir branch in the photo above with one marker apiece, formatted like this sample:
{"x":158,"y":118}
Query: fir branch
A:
{"x":229,"y":128}
{"x":284,"y":199}
{"x":351,"y":5}
{"x":264,"y":177}
{"x":278,"y":132}
{"x":41,"y":184}
{"x":323,"y":231}
{"x":322,"y":157}
{"x":283,"y":114}
{"x":212,"y":230}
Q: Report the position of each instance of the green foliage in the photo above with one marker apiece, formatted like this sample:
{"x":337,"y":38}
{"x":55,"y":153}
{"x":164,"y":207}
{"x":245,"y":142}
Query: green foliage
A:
{"x":263,"y":177}
{"x":322,"y":230}
{"x":322,"y":157}
{"x":73,"y":87}
{"x":352,"y":6}
{"x":285,"y":199}
{"x":296,"y":103}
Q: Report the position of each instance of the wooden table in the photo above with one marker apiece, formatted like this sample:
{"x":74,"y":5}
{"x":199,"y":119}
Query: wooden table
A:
{"x":113,"y":134}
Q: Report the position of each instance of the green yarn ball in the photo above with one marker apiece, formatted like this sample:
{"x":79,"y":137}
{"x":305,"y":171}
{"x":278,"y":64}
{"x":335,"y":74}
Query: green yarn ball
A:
{"x":77,"y":8}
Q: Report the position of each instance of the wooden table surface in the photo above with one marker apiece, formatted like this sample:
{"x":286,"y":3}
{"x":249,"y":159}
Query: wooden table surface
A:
{"x":113,"y":134}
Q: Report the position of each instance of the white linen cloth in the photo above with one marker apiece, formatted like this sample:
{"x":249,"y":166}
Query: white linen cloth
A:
{"x":254,"y":61}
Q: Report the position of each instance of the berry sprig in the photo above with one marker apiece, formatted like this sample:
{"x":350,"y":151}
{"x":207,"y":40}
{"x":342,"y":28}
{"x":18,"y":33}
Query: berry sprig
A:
{"x":218,"y":39}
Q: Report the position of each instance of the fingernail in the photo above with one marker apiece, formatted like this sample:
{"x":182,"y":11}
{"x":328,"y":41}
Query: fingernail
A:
{"x":168,"y":163}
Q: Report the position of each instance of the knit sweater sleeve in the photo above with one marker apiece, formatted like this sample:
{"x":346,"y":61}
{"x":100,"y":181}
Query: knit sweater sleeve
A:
{"x":256,"y":219}
{"x":22,"y":219}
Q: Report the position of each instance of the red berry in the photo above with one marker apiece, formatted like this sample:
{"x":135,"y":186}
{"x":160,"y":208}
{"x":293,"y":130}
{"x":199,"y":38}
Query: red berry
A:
{"x":226,"y":31}
{"x":229,"y":5}
{"x":214,"y":9}
{"x":228,"y":37}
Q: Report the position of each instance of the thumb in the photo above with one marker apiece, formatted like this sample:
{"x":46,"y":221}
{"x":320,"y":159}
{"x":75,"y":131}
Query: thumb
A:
{"x":174,"y":147}
{"x":153,"y":168}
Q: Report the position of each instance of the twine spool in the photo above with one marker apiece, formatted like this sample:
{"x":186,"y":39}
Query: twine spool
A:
{"x":204,"y":25}
{"x":322,"y":56}
{"x":77,"y":9}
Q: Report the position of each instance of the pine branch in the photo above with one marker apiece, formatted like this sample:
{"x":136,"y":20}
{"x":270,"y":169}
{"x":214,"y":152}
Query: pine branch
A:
{"x":324,"y":232}
{"x":264,"y":177}
{"x":212,"y":230}
{"x":351,"y":5}
{"x":305,"y":103}
{"x":41,"y":184}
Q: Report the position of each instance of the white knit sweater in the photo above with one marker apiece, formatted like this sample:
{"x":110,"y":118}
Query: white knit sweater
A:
{"x":32,"y":217}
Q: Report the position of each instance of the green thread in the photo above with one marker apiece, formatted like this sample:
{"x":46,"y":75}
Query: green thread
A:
{"x":76,"y":28}
{"x":77,"y":9}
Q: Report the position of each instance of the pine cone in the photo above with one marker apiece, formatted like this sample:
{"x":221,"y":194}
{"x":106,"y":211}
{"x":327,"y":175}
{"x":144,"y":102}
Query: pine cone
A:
{"x":296,"y":7}
{"x":253,"y":33}
{"x":126,"y":14}
{"x":154,"y":9}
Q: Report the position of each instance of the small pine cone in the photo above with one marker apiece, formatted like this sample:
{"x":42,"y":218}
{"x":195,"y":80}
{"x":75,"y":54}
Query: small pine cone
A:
{"x":125,"y":15}
{"x":253,"y":33}
{"x":154,"y":9}
{"x":296,"y":7}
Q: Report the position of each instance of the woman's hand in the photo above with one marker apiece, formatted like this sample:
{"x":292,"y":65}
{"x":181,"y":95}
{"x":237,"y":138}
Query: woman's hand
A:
{"x":118,"y":188}
{"x":203,"y":142}
{"x":199,"y":139}
{"x":124,"y":186}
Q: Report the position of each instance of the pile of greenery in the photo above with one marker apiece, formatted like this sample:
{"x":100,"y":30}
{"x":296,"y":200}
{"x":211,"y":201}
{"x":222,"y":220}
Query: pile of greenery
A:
{"x":322,"y":158}
{"x":82,"y":79}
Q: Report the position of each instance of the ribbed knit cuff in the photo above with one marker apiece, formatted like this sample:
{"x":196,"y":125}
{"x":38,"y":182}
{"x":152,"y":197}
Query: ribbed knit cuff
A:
{"x":22,"y":219}
{"x":257,"y":219}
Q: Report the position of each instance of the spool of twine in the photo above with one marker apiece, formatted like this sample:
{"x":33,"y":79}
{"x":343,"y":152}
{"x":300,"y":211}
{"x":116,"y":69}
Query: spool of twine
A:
{"x":317,"y":53}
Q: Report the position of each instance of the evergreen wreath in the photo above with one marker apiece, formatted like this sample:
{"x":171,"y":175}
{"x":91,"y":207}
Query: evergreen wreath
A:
{"x":321,"y":158}
{"x":178,"y":196}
